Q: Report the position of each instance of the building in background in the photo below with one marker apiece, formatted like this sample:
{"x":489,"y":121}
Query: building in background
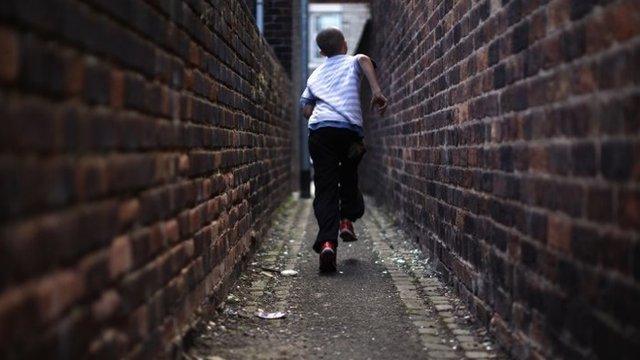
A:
{"x":350,"y":18}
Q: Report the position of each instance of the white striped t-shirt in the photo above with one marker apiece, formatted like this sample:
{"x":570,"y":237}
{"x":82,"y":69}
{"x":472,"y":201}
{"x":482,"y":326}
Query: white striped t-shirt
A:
{"x":334,"y":87}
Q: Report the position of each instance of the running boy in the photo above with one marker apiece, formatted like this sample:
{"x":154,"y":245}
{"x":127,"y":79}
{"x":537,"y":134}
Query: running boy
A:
{"x":331,"y":101}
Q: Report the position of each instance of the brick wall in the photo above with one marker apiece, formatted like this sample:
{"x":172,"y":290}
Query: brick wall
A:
{"x":251,"y":4}
{"x":511,"y":152}
{"x":282,"y":31}
{"x":278,"y":28}
{"x":144,"y":147}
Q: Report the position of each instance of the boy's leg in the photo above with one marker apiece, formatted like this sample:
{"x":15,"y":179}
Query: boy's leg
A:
{"x":325,"y":169}
{"x":351,"y":200}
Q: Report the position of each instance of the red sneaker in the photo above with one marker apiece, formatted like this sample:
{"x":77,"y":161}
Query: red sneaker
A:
{"x":346,"y":231}
{"x":328,"y":257}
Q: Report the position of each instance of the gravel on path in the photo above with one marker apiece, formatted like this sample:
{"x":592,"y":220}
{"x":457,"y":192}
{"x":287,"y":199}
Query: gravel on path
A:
{"x":385,"y":301}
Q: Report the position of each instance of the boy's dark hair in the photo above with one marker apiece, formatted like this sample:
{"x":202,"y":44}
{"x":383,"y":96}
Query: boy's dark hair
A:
{"x":329,"y":41}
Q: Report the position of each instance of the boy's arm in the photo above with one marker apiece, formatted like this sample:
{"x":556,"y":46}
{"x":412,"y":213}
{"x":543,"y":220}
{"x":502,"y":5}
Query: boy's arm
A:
{"x":307,"y":102}
{"x":378,"y":99}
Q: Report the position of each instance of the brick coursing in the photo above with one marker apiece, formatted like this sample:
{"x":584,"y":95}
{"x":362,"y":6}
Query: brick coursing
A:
{"x":278,"y":28}
{"x":511,"y":153}
{"x":144,"y":147}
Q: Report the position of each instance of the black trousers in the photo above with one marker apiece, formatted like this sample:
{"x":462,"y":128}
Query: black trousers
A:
{"x":336,"y":154}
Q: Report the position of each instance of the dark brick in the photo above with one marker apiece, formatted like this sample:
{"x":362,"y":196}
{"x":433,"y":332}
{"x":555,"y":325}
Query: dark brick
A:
{"x":586,"y":244}
{"x":617,"y":159}
{"x":499,"y":76}
{"x":514,"y":11}
{"x":494,"y":52}
{"x":96,"y":84}
{"x":600,"y":204}
{"x":580,"y":8}
{"x":520,"y":39}
{"x":584,"y":159}
{"x":514,"y":99}
{"x":573,"y":44}
{"x":41,"y":69}
{"x":506,"y":158}
{"x":484,"y":10}
{"x":636,"y":261}
{"x":528,"y":254}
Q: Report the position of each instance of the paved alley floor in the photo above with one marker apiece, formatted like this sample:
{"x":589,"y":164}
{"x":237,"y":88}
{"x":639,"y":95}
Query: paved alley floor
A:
{"x":384,"y":303}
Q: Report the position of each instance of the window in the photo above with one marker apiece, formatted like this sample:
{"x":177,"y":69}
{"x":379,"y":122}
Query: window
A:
{"x":317,"y":22}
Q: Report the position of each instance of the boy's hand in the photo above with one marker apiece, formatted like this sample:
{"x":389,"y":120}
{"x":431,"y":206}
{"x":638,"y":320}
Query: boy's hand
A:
{"x":307,"y":110}
{"x":381,"y":101}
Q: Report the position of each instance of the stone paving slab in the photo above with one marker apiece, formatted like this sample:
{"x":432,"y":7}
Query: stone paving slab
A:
{"x":384,"y":303}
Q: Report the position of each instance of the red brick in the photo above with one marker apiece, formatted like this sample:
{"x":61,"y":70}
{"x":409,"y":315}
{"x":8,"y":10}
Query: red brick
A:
{"x":559,"y":12}
{"x":120,"y":256}
{"x":172,"y":231}
{"x":128,"y":213}
{"x":112,"y":151}
{"x":18,"y":316}
{"x":56,"y":292}
{"x":194,"y":53}
{"x":559,"y":233}
{"x":117,"y":89}
{"x":623,"y":18}
{"x":629,"y":202}
{"x":183,"y":164}
{"x":539,"y":159}
{"x":106,"y":306}
{"x":598,"y":34}
{"x":10,"y":59}
{"x":75,"y":76}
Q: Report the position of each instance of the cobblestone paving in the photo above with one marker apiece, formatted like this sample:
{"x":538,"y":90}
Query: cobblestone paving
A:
{"x":384,"y":303}
{"x":446,"y":329}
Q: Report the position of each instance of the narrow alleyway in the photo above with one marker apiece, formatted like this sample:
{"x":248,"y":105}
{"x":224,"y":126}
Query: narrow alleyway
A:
{"x":384,"y":303}
{"x":149,"y":150}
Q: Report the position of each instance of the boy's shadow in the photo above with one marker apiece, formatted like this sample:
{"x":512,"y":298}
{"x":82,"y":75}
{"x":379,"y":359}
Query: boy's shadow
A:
{"x":346,"y":268}
{"x":351,"y":263}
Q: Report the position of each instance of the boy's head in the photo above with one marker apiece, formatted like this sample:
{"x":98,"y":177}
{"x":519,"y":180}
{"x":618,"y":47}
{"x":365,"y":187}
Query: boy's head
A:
{"x":331,"y":42}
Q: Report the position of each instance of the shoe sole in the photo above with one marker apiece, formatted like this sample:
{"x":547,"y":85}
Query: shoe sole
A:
{"x":347,"y":237}
{"x":328,"y":261}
